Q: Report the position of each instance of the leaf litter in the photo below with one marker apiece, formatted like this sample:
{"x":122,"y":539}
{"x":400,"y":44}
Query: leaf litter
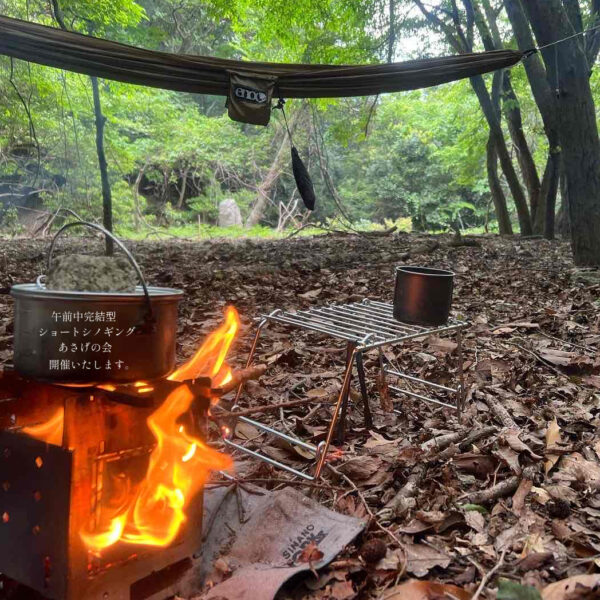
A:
{"x":521,"y":504}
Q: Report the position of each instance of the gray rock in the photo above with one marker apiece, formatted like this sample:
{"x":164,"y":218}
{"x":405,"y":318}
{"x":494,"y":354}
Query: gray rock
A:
{"x":229,"y":213}
{"x":83,"y":273}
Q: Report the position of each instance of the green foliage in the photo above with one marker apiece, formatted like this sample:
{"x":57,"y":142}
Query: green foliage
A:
{"x":204,"y":206}
{"x":511,"y":590}
{"x":415,"y":159}
{"x":475,"y":507}
{"x":9,"y":220}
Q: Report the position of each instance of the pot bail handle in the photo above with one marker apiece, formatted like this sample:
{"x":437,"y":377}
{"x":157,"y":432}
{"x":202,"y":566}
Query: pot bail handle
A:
{"x":150,"y":315}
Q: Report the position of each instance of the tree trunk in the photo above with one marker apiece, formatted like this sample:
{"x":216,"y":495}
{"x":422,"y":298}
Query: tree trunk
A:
{"x":512,"y":110}
{"x":577,"y":128}
{"x":182,"y":191}
{"x":100,"y":120}
{"x":562,"y":220}
{"x":488,"y":30}
{"x":391,"y":43}
{"x":137,"y":211}
{"x":463,"y":43}
{"x":106,"y":195}
{"x":266,"y":185}
{"x":498,"y":198}
{"x":496,"y":191}
{"x":507,"y":167}
{"x":544,"y":218}
{"x":545,"y":99}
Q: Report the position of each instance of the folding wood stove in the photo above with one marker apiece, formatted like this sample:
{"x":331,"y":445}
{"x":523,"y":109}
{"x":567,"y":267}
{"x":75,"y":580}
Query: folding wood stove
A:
{"x":50,"y":491}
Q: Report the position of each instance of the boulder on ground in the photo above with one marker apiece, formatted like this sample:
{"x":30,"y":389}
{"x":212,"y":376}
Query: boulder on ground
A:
{"x":229,"y":213}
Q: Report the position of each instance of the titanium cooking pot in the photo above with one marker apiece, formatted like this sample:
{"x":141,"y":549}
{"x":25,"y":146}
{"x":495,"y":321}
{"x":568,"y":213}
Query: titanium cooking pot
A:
{"x":423,"y":296}
{"x":94,"y":337}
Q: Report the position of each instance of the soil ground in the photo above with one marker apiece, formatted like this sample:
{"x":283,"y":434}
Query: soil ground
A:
{"x":522,"y":498}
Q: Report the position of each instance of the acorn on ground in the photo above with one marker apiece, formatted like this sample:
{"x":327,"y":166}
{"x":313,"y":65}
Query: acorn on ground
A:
{"x":373,"y":550}
{"x":558,"y":508}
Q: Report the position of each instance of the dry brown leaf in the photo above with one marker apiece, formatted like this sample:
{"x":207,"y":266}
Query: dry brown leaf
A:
{"x":350,"y":506}
{"x":430,"y":516}
{"x":593,"y":380}
{"x":560,"y":358}
{"x":376,"y":439}
{"x":510,"y":457}
{"x":553,"y":437}
{"x":421,"y":559}
{"x":361,"y":468}
{"x":477,"y":464}
{"x":475,"y":520}
{"x":561,"y":492}
{"x":573,"y":588}
{"x":311,"y":293}
{"x":246,"y":431}
{"x":517,"y":324}
{"x":575,"y":467}
{"x":441,"y":345}
{"x":414,"y":526}
{"x":540,"y":495}
{"x":519,"y":496}
{"x":573,"y":362}
{"x":311,"y":554}
{"x":511,"y":436}
{"x":426,"y":590}
{"x":342,"y":590}
{"x":534,"y":560}
{"x":596,"y":447}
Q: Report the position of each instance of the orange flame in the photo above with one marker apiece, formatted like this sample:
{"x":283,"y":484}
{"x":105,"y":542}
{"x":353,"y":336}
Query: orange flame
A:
{"x":50,"y":431}
{"x":180,"y":463}
{"x":209,"y":360}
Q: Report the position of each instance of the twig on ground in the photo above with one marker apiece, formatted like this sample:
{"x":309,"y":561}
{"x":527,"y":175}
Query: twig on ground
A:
{"x":372,"y":515}
{"x":303,"y":482}
{"x":573,"y":344}
{"x":443,"y":441}
{"x":504,"y":488}
{"x":239,"y":377}
{"x":499,"y":411}
{"x":225,"y":414}
{"x":470,"y":439}
{"x":537,"y":357}
{"x":489,"y":575}
{"x":408,"y":490}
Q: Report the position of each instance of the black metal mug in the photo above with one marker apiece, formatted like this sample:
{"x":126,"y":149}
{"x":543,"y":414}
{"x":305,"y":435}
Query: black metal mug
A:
{"x":423,"y":296}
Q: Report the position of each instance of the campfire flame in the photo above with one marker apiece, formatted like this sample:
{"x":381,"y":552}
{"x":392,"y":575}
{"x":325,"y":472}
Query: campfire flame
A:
{"x":209,"y":360}
{"x":50,"y":431}
{"x":180,"y":463}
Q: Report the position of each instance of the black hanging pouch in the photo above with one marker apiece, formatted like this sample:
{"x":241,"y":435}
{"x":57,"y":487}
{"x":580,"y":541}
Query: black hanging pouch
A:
{"x":250,"y":96}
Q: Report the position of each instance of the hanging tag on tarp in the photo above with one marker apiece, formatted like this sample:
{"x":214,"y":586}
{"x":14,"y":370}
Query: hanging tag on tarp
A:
{"x":249,"y":98}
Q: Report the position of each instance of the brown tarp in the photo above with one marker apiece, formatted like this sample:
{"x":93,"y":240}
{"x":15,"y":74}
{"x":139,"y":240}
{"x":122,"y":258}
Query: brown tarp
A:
{"x":206,"y":75}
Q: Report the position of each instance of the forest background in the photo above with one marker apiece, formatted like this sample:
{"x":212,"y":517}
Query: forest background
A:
{"x":425,"y":160}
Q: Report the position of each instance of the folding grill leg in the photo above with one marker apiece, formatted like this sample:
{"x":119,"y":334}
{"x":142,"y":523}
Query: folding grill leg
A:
{"x":363,"y":390}
{"x":343,"y":394}
{"x":341,"y":430}
{"x":250,"y":357}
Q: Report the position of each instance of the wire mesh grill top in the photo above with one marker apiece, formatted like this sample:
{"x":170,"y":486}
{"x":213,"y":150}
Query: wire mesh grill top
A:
{"x":368,"y":324}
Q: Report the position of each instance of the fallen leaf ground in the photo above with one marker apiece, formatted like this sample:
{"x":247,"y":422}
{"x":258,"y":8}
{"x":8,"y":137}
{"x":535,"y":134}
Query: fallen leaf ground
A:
{"x":510,"y":496}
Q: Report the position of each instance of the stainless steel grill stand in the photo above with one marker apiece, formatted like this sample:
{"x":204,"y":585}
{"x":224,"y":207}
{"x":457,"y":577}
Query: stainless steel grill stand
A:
{"x":363,"y":326}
